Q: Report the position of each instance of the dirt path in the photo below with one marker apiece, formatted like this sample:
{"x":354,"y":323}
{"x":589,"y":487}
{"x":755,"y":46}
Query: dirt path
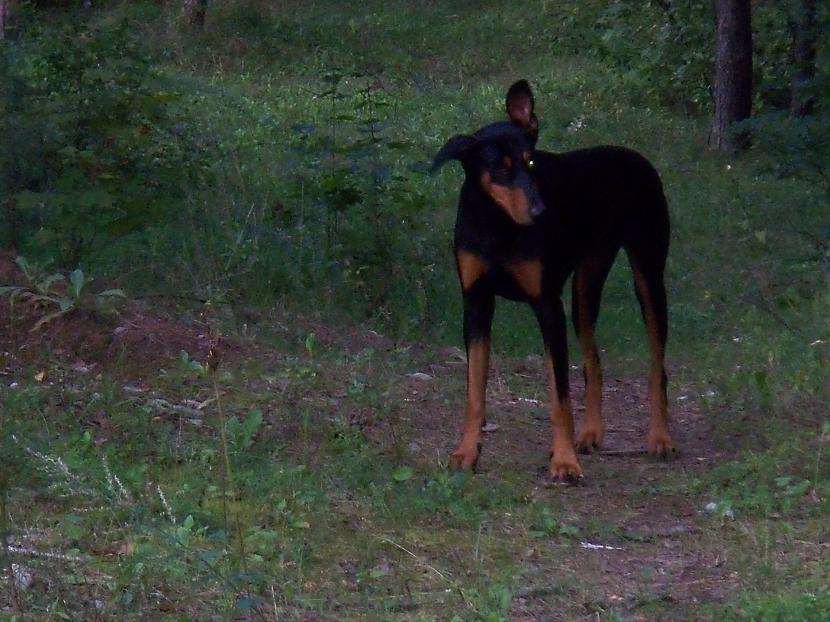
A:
{"x":641,"y":548}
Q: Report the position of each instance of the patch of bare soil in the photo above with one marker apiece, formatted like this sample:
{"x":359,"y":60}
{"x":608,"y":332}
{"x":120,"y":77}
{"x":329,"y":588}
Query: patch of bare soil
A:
{"x":137,"y":339}
{"x":643,"y":549}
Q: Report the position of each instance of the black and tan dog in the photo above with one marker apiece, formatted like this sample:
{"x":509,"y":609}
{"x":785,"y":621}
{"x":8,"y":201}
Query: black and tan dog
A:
{"x":526,"y":220}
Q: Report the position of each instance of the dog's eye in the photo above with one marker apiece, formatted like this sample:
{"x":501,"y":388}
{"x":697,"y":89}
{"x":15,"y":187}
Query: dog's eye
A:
{"x":531,"y":164}
{"x":507,"y":163}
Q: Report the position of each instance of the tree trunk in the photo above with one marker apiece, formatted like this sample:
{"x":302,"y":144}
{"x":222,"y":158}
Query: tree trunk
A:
{"x":733,"y":74}
{"x":805,"y":34}
{"x":5,"y":17}
{"x":194,"y":13}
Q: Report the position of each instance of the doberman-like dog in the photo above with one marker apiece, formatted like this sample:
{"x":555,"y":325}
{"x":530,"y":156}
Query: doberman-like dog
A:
{"x":527,"y":219}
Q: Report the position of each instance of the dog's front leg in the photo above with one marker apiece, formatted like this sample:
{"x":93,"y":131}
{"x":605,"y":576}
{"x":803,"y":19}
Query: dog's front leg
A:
{"x":478,"y":317}
{"x":564,"y":465}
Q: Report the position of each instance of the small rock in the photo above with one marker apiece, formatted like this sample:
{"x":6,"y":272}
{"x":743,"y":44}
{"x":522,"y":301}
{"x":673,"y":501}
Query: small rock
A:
{"x":455,"y":354}
{"x":81,"y":367}
{"x":421,"y":376}
{"x":23,"y":576}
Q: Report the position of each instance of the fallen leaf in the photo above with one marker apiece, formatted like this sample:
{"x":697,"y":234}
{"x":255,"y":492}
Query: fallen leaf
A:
{"x":403,"y":473}
{"x":125,"y":548}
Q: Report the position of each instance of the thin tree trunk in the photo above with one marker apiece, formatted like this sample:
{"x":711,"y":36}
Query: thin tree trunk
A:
{"x":805,"y":35}
{"x":194,"y":12}
{"x":733,"y":74}
{"x":5,"y":17}
{"x":10,"y":216}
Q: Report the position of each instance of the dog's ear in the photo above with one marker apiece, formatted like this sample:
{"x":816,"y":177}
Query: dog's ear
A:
{"x":453,"y":150}
{"x":520,"y":104}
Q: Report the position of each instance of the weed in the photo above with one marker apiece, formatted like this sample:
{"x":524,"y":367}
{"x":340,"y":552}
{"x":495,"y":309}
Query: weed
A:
{"x":788,"y":607}
{"x":768,"y":484}
{"x":53,"y":290}
{"x":544,"y":524}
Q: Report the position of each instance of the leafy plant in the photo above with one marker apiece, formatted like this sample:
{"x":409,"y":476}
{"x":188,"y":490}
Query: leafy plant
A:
{"x":545,"y":524}
{"x":241,"y":433}
{"x":55,"y":290}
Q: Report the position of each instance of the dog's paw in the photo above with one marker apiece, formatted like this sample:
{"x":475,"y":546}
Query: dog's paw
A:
{"x":660,"y":444}
{"x":464,"y":459}
{"x":589,"y":440}
{"x":565,"y":470}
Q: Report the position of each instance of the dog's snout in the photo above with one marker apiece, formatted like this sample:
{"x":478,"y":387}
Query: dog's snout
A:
{"x":536,"y":207}
{"x":535,"y":204}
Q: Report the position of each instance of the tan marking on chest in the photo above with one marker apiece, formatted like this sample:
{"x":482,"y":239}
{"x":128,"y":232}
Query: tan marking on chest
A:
{"x":470,"y":268}
{"x":528,"y":275}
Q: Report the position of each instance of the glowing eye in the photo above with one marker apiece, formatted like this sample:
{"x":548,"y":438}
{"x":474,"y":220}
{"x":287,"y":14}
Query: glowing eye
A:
{"x":531,"y":164}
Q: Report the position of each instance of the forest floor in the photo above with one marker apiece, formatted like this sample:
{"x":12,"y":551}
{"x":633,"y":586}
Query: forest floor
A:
{"x":373,"y":421}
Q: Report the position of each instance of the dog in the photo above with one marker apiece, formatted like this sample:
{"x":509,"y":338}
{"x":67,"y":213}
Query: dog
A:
{"x":528,"y":219}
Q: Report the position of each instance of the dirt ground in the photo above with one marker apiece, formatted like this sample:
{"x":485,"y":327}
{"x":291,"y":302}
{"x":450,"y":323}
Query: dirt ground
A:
{"x":654,"y":549}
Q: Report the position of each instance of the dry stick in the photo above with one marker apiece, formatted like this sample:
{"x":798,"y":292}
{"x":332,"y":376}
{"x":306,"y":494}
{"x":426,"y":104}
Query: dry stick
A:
{"x":421,"y":561}
{"x":621,"y":452}
{"x":818,"y":463}
{"x":435,"y":570}
{"x":228,"y":475}
{"x":20,"y":550}
{"x":227,"y":479}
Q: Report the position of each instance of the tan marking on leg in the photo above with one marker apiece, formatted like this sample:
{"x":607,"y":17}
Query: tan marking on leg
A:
{"x":528,"y":274}
{"x":512,"y":200}
{"x":593,"y":430}
{"x":478,"y":358}
{"x":470,"y":268}
{"x":659,"y":440}
{"x":564,"y":465}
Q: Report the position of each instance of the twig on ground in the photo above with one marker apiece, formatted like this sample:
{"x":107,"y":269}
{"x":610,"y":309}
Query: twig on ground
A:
{"x":20,"y":550}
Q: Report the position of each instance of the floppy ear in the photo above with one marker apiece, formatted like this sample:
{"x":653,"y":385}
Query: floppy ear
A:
{"x":520,"y":104}
{"x":453,"y":150}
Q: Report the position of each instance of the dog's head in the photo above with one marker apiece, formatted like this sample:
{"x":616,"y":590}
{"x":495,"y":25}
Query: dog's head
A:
{"x":499,"y":157}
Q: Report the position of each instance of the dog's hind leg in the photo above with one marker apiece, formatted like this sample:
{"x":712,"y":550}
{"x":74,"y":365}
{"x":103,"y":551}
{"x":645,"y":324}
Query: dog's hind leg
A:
{"x":648,"y":270}
{"x":589,"y":277}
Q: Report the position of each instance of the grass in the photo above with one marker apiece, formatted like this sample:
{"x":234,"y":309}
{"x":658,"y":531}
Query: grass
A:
{"x":319,"y":490}
{"x":161,"y":500}
{"x":339,"y":505}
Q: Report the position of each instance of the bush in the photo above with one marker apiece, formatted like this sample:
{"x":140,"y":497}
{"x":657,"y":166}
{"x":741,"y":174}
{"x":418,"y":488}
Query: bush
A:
{"x":92,"y":150}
